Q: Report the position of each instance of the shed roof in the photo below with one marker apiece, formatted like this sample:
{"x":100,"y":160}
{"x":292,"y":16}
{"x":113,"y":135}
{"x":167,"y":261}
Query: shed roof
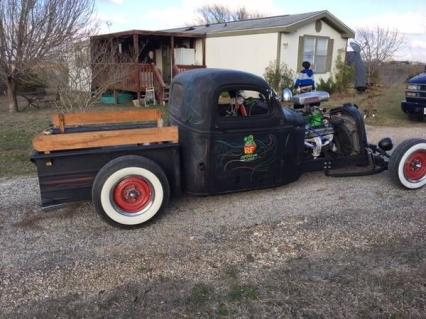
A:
{"x":283,"y":23}
{"x":129,"y":33}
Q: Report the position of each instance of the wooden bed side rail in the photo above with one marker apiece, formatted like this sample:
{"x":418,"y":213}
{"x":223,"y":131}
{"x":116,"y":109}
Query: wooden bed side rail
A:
{"x":74,"y":141}
{"x":62,"y":121}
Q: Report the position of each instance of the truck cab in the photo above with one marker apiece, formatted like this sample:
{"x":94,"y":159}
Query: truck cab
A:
{"x":414,"y":104}
{"x":227,"y":146}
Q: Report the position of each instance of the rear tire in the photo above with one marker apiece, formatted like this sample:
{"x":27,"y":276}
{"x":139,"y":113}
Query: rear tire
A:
{"x":346,"y":135}
{"x":129,"y":191}
{"x":407,"y":165}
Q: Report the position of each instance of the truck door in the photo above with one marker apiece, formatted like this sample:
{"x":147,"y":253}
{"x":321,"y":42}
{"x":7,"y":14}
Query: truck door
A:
{"x":247,"y":143}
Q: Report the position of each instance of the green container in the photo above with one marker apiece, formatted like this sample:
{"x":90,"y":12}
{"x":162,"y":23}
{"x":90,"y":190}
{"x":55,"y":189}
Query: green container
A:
{"x":108,"y":100}
{"x":124,"y":98}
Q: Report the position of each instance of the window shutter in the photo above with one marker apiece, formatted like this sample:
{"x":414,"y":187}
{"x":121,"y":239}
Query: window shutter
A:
{"x":300,"y":53}
{"x":330,"y":54}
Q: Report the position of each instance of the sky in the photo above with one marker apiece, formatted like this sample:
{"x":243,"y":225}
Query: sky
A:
{"x":407,"y":16}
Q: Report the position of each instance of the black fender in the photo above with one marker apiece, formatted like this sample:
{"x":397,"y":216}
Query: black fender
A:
{"x":352,"y":110}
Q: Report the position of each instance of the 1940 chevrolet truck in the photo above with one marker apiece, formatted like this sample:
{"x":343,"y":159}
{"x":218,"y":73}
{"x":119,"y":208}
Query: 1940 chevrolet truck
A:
{"x":229,"y":132}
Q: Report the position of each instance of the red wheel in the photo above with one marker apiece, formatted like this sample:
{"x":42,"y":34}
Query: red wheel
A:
{"x":415,"y":166}
{"x":130,"y":190}
{"x":407,"y":165}
{"x":133,"y":194}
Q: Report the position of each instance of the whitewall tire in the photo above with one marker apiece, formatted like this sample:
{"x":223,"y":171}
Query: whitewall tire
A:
{"x":130,"y":190}
{"x":407,"y":165}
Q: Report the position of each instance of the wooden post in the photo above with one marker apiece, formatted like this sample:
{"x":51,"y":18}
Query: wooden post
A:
{"x":92,"y":51}
{"x":136,"y":59}
{"x":115,"y":96}
{"x":61,"y":123}
{"x":112,"y":50}
{"x":115,"y":93}
{"x":136,"y":47}
{"x":172,"y":56}
{"x":204,"y":51}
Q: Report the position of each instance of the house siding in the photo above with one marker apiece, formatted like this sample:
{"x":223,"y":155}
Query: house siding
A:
{"x":251,"y":53}
{"x":290,"y":46}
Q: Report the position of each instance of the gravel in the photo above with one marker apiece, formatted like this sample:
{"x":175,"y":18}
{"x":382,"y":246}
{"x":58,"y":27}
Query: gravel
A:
{"x":398,"y":134}
{"x":319,"y":247}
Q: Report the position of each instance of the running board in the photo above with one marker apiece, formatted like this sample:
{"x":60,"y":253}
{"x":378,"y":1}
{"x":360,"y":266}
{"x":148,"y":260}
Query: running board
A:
{"x":377,"y":165}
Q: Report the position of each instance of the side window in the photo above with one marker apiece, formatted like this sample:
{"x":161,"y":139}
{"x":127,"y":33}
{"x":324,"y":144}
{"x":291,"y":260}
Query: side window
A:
{"x":316,"y":51}
{"x":242,"y":103}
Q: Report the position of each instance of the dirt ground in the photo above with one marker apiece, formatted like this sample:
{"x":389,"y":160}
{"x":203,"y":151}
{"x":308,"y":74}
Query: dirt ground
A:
{"x":318,"y":248}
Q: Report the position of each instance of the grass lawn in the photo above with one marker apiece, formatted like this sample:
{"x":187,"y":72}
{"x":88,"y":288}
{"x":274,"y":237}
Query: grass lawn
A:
{"x":17,"y":131}
{"x":386,"y":101}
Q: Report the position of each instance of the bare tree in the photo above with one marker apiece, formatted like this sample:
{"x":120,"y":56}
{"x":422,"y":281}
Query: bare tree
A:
{"x":378,"y":45}
{"x":243,"y":14}
{"x":217,"y":13}
{"x":85,"y":72}
{"x":30,"y":30}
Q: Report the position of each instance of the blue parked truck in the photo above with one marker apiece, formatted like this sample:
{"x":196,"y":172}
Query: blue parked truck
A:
{"x":415,"y":98}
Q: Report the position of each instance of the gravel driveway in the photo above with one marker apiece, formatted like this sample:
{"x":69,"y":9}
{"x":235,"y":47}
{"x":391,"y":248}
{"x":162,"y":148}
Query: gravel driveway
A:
{"x":320,"y":247}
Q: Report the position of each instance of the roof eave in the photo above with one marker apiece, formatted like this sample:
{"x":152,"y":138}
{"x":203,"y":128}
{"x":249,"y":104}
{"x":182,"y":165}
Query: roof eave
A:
{"x":147,"y":33}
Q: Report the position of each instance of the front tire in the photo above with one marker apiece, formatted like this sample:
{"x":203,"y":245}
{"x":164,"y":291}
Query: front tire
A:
{"x":407,"y":164}
{"x":129,"y":191}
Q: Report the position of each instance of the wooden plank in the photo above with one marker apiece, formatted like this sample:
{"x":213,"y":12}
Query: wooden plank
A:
{"x":96,"y":118}
{"x":73,"y":141}
{"x":172,"y":55}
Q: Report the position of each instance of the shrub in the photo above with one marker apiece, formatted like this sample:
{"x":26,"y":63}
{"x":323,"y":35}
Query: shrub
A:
{"x":345,"y":75}
{"x":279,"y":77}
{"x":30,"y":82}
{"x":328,"y":86}
{"x":341,"y":81}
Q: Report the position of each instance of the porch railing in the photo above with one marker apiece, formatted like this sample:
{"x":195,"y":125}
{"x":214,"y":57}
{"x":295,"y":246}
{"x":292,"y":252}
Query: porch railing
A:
{"x":114,"y":76}
{"x":134,"y":77}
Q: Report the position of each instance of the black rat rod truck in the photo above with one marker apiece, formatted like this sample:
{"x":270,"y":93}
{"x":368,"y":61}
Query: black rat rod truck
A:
{"x":229,"y":132}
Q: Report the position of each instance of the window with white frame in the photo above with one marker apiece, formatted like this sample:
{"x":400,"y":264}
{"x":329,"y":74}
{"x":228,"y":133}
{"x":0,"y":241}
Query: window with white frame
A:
{"x":315,"y":50}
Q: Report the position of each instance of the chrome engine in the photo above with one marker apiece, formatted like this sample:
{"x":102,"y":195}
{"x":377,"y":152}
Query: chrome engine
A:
{"x":316,"y":139}
{"x":319,"y":132}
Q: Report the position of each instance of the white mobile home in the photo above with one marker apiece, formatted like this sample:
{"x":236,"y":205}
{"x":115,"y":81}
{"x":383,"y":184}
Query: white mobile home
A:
{"x":250,"y":45}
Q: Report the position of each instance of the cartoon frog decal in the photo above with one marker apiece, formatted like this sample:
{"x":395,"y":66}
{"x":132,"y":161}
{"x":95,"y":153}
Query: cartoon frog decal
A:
{"x":250,"y":148}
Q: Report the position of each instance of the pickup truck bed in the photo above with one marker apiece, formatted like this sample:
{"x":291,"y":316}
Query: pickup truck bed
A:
{"x":69,"y":155}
